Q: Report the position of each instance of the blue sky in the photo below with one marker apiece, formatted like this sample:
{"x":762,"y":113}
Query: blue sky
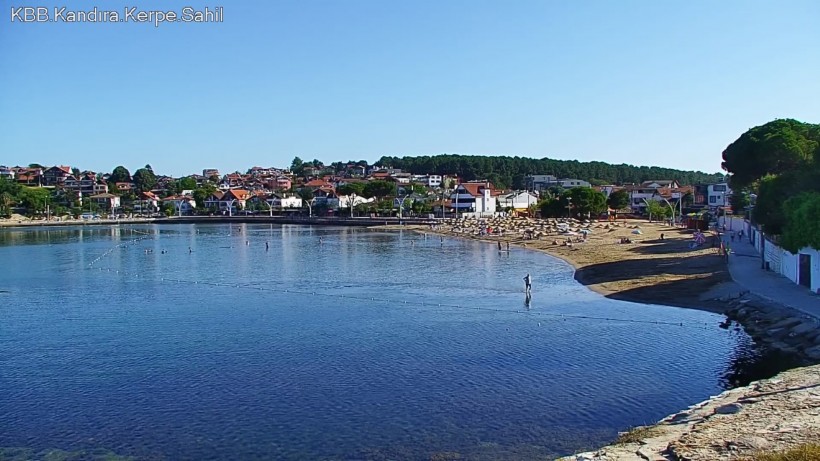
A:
{"x":667,"y":83}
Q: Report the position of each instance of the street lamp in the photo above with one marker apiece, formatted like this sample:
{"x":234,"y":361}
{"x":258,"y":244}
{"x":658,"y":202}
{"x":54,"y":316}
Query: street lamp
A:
{"x":569,"y":207}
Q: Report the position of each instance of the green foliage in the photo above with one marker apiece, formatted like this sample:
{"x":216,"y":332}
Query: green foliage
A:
{"x":553,"y":207}
{"x":186,"y":183}
{"x":305,"y":194}
{"x":418,"y":189}
{"x":587,"y":201}
{"x":802,"y":227}
{"x":777,"y":147}
{"x":168,"y":208}
{"x":120,"y":174}
{"x":618,"y":200}
{"x":297,"y":166}
{"x":637,"y":434}
{"x":768,"y":211}
{"x":781,"y":162}
{"x":9,"y":186}
{"x":506,"y":171}
{"x":420,"y":207}
{"x":379,"y":189}
{"x":805,"y":452}
{"x":202,"y":193}
{"x":739,"y":200}
{"x":34,"y":199}
{"x":657,"y":210}
{"x":6,"y":202}
{"x":144,"y":179}
{"x":352,"y":188}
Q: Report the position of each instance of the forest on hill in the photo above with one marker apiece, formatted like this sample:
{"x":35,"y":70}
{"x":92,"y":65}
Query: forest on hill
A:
{"x":509,"y":172}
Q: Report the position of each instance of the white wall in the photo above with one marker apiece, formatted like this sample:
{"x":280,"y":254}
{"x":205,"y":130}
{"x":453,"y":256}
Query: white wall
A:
{"x":788,"y":264}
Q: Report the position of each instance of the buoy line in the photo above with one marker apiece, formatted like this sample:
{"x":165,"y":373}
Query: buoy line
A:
{"x":428,"y":304}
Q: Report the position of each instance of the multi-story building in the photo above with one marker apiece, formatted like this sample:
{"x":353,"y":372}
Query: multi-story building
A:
{"x":539,"y":182}
{"x":6,"y":173}
{"x":56,"y":175}
{"x":718,"y":195}
{"x":477,"y":197}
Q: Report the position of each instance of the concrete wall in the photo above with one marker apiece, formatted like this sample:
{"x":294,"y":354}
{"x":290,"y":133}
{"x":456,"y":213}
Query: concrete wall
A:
{"x":788,"y":264}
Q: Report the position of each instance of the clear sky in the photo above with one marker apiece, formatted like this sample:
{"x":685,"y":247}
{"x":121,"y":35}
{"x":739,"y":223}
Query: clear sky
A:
{"x":647,"y":82}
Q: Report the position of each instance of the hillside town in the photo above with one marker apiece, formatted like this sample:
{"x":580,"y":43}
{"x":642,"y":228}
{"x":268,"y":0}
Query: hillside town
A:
{"x":344,"y":189}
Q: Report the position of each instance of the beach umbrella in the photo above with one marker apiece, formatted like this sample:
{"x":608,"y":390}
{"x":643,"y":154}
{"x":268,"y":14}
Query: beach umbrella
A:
{"x":637,"y":232}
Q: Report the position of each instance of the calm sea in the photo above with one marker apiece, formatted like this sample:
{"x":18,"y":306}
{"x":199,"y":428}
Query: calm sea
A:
{"x":194,"y":342}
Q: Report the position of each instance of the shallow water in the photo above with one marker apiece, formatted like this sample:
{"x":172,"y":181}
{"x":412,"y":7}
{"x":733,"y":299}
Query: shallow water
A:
{"x":334,"y":343}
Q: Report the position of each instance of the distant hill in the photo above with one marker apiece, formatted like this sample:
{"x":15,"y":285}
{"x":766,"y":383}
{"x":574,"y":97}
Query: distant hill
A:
{"x":509,"y":172}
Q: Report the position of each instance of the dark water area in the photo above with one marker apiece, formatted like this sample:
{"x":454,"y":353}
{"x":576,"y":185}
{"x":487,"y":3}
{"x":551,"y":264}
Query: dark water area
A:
{"x":289,"y":342}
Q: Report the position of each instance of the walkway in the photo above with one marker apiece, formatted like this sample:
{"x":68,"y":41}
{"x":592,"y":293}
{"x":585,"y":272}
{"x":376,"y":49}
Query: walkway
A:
{"x":744,"y":266}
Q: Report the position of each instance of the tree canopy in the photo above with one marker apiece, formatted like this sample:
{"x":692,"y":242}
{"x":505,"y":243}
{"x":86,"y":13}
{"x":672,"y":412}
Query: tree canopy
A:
{"x":802,"y":227}
{"x":618,"y":200}
{"x":144,"y":179}
{"x":780,"y":162}
{"x":587,"y":201}
{"x":379,"y":189}
{"x":778,"y":147}
{"x":120,"y":174}
{"x":509,"y":172}
{"x":352,"y":188}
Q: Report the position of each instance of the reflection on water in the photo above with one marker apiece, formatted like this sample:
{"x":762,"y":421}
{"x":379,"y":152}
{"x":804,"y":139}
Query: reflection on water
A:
{"x":289,"y":342}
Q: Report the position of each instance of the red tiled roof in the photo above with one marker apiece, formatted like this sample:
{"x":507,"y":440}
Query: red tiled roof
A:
{"x":317,"y":183}
{"x":475,"y":188}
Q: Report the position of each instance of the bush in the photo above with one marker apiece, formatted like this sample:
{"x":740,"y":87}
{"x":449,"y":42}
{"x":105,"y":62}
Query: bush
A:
{"x":807,"y":452}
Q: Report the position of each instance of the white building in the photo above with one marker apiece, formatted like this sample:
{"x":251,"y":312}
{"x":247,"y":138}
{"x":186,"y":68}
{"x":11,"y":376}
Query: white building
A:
{"x":473,"y":197}
{"x":345,"y":200}
{"x":6,"y":173}
{"x":433,"y":180}
{"x":539,"y":182}
{"x":718,"y":195}
{"x":276,"y":202}
{"x":183,"y":205}
{"x":518,"y":201}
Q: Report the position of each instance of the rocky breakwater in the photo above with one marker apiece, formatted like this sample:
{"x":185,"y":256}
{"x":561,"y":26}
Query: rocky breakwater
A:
{"x":769,"y":415}
{"x":778,"y":328}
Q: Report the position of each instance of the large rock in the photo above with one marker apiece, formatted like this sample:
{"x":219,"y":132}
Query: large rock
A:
{"x":728,"y":409}
{"x":804,"y":328}
{"x":787,"y":323}
{"x":813,"y":352}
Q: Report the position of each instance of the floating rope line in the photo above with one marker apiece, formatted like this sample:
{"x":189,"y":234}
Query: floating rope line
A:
{"x":427,"y":304}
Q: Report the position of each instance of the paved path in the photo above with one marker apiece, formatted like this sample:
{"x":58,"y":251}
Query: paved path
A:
{"x":744,"y":266}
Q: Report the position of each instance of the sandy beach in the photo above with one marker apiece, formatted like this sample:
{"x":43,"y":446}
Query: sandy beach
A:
{"x":647,"y":270}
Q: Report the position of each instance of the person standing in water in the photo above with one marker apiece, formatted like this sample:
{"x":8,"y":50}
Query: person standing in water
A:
{"x":528,"y":284}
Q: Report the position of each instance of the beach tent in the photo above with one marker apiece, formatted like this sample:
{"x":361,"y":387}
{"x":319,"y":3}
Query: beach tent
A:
{"x":637,"y":232}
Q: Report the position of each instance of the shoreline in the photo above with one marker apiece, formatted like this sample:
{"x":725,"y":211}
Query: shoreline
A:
{"x":693,"y":278}
{"x":771,"y":415}
{"x":738,"y":422}
{"x":641,"y":272}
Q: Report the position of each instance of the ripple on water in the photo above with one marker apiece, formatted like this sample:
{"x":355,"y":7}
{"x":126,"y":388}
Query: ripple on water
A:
{"x":204,"y":355}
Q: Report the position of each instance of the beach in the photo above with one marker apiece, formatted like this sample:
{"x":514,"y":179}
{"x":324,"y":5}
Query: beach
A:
{"x":658,"y":266}
{"x":645,"y":262}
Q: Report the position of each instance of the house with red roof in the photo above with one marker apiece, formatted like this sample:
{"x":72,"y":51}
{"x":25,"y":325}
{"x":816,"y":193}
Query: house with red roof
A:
{"x":474,"y":197}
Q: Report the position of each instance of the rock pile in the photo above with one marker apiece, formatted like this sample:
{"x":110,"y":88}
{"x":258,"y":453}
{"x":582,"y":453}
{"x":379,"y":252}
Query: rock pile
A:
{"x":778,"y":328}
